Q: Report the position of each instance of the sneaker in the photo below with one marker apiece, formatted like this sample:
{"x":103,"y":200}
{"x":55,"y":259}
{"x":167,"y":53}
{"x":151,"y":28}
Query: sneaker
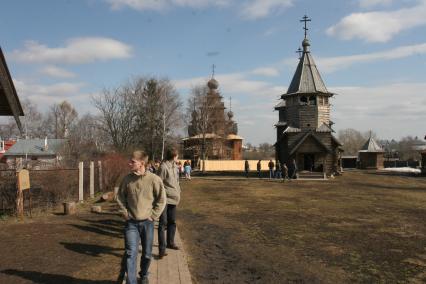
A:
{"x":162,"y":254}
{"x":144,"y":280}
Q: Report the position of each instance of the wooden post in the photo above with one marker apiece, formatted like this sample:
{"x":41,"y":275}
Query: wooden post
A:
{"x":19,"y":202}
{"x":70,"y":208}
{"x":100,"y":176}
{"x":92,"y":179}
{"x":80,"y":182}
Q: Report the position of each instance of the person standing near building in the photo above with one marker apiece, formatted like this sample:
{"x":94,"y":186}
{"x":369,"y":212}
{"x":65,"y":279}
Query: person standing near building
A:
{"x":294,"y":167}
{"x":246,"y":167}
{"x":141,"y":198}
{"x":169,"y":174}
{"x":259,"y":168}
{"x":284,"y":169}
{"x":188,"y":170}
{"x":278,"y":173}
{"x":271,"y":166}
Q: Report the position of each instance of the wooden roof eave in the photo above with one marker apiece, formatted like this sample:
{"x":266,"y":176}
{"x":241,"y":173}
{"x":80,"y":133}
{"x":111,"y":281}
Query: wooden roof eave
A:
{"x":9,"y":91}
{"x":297,"y":144}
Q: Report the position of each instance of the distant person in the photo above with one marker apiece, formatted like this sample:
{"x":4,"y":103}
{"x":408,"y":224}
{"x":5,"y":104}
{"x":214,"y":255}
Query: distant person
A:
{"x":180,"y":168}
{"x":141,"y":198}
{"x":294,"y":168}
{"x":284,"y":169}
{"x":246,"y":168}
{"x":169,"y":174}
{"x":278,"y":172}
{"x":271,"y":166}
{"x":259,"y":168}
{"x":188,"y":170}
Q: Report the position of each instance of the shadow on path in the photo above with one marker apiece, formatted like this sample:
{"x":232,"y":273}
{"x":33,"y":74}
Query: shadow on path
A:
{"x":47,"y":278}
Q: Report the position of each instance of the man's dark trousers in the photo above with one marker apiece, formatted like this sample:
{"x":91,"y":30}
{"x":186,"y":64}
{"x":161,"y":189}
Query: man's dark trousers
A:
{"x":167,"y":219}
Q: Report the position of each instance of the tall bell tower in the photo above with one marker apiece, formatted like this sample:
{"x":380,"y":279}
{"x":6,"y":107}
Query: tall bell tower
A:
{"x":304,"y":129}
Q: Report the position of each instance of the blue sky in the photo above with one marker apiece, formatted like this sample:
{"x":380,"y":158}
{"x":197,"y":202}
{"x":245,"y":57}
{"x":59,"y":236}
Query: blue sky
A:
{"x":371,"y":53}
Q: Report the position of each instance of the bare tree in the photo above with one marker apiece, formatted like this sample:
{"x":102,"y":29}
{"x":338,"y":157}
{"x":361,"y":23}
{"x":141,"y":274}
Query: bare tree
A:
{"x":202,"y":108}
{"x":117,"y":115}
{"x":353,"y":140}
{"x":32,"y":122}
{"x":60,"y":119}
{"x":144,"y":112}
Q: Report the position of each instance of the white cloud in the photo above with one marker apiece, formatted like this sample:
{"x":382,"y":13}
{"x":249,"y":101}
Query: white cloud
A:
{"x":54,"y":71}
{"x":256,"y":9}
{"x":76,"y":51}
{"x":161,"y":5}
{"x":393,"y":111}
{"x":331,"y":64}
{"x":379,"y":26}
{"x":58,"y":90}
{"x":372,"y":3}
{"x":266,"y":71}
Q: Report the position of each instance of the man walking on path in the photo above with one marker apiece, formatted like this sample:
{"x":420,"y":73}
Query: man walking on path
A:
{"x":246,"y":168}
{"x":141,"y":198}
{"x":259,"y":168}
{"x":168,"y":173}
{"x":271,"y":166}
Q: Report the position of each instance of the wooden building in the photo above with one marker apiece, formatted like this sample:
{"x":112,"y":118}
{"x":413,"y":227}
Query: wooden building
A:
{"x":371,"y":155}
{"x":304,"y":129}
{"x":220,"y":140}
{"x":9,"y":101}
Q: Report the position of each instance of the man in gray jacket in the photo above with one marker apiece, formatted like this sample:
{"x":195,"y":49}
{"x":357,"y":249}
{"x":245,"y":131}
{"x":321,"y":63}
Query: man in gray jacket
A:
{"x":168,"y":172}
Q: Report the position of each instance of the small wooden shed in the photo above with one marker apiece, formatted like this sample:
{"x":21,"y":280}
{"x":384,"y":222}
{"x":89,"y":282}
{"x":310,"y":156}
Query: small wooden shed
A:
{"x":371,"y":155}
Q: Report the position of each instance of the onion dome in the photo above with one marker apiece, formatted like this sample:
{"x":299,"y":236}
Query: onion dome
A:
{"x":213,"y":84}
{"x":230,"y":115}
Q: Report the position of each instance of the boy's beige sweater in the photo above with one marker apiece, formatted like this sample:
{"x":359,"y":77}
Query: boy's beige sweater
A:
{"x":142,"y":196}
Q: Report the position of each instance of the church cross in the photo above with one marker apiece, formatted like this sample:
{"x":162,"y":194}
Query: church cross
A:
{"x":213,"y":68}
{"x":305,"y":19}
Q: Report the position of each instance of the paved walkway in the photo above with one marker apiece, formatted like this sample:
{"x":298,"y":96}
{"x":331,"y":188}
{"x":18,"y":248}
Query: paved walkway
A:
{"x":172,"y":269}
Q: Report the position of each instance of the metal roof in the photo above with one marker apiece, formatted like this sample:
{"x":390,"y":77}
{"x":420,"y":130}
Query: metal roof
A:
{"x":9,"y":101}
{"x":35,"y":147}
{"x":307,"y":78}
{"x":371,"y":146}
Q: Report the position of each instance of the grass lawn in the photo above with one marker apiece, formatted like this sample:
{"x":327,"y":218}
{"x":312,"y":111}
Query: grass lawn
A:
{"x":360,"y":227}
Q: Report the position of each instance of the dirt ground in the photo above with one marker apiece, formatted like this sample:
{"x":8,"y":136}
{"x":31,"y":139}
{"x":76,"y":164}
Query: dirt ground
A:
{"x":358,"y":228}
{"x":86,"y":248}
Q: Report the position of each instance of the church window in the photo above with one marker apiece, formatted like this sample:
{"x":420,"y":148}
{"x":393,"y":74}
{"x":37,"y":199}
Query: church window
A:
{"x":326,"y":101}
{"x":312,"y":100}
{"x":321,"y":101}
{"x":303,"y":100}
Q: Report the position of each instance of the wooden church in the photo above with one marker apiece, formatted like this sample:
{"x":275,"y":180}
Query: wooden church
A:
{"x":304,"y":129}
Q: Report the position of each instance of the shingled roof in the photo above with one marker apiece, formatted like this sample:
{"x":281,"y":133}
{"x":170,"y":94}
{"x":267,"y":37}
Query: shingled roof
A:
{"x":307,"y":78}
{"x":371,"y":146}
{"x":9,"y":101}
{"x":36,"y":147}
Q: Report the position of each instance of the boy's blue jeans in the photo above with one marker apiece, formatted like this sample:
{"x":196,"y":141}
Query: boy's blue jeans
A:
{"x":133,"y":232}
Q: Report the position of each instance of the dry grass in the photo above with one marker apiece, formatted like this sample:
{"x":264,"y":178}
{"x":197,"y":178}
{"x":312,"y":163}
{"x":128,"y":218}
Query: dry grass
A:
{"x":360,"y":227}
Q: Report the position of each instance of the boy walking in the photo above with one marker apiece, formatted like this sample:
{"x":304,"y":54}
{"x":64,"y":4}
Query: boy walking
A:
{"x":141,"y":198}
